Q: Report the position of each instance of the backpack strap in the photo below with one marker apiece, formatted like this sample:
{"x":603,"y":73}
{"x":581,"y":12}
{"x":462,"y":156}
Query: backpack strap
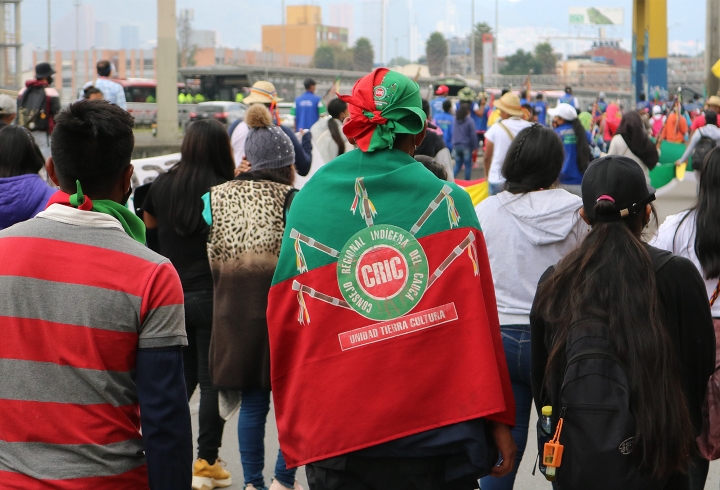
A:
{"x":662,"y":259}
{"x":715,"y":294}
{"x":510,"y":135}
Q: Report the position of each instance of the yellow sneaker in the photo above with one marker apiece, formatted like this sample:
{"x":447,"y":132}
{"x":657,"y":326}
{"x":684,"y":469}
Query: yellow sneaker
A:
{"x":207,"y":477}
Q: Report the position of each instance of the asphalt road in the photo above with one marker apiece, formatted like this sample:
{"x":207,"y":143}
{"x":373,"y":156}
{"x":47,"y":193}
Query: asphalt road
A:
{"x":679,"y":198}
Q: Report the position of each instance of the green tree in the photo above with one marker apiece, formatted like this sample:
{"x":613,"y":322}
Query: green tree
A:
{"x":343,"y":58}
{"x":436,"y":50}
{"x":480,"y":29}
{"x":324,"y":57}
{"x":546,"y":58}
{"x":363,"y":55}
{"x":520,"y":63}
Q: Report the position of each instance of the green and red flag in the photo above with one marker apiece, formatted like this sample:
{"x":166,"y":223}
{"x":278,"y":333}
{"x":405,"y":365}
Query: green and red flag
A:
{"x":382,"y":315}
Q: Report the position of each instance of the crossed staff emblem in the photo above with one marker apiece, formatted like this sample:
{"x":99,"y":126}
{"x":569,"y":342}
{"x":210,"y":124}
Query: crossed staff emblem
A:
{"x":367,"y":211}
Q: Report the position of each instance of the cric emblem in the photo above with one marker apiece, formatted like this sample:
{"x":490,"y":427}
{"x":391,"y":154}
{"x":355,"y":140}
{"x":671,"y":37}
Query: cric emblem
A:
{"x":382,"y":270}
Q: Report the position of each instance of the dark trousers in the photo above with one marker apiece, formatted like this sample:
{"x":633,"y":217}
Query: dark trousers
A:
{"x":360,"y":473}
{"x":198,"y":324}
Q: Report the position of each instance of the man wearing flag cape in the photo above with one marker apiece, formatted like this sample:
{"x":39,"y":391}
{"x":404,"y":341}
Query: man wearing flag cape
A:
{"x":388,"y":369}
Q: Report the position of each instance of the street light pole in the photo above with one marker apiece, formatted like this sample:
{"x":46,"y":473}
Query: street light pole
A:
{"x":472,"y":37}
{"x":49,"y":33}
{"x":495,"y":44}
{"x":284,"y":22}
{"x":167,"y":74}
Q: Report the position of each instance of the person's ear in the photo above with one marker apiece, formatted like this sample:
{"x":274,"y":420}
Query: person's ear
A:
{"x":127,"y":178}
{"x":584,"y":217}
{"x":421,"y":135}
{"x":648,"y":212}
{"x":350,"y":140}
{"x":50,"y":168}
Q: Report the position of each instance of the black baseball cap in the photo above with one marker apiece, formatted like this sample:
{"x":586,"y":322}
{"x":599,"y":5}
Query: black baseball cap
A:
{"x":617,"y":179}
{"x":43,"y":70}
{"x":309,"y":82}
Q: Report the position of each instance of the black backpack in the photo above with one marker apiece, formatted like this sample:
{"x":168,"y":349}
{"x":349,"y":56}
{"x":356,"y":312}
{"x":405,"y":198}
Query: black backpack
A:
{"x":32,"y":111}
{"x":702,"y":148}
{"x":594,"y":402}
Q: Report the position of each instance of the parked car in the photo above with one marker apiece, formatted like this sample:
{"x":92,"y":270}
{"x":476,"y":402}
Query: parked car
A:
{"x":286,"y":118}
{"x":225,"y":112}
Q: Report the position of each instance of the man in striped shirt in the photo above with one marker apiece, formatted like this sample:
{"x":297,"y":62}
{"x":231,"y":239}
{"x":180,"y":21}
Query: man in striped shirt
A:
{"x":91,"y":323}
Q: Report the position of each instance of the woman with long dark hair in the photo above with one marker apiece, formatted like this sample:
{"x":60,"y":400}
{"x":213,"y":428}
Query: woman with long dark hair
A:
{"x":576,"y":142}
{"x":695,"y":235}
{"x":631,"y":140}
{"x":23,"y":194}
{"x":527,"y":228}
{"x":173,"y":213}
{"x":247,"y":220}
{"x":647,"y":313}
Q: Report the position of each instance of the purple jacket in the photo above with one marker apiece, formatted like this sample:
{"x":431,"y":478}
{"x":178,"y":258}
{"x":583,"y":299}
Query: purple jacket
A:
{"x":21,"y":198}
{"x":464,"y":134}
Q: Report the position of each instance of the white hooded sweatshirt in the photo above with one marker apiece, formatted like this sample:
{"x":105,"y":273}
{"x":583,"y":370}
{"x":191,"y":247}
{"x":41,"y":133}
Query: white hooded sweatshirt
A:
{"x":526,"y":234}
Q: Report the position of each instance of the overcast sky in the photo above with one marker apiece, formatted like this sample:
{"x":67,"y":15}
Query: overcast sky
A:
{"x":523,"y":23}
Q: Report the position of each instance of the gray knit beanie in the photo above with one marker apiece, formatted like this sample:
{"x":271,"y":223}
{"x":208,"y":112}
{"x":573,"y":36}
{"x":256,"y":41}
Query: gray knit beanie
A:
{"x":266,"y":146}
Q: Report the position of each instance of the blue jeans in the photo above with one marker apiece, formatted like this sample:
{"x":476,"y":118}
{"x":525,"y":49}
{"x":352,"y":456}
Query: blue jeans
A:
{"x":251,"y":436}
{"x":495,"y":189}
{"x":462,"y":156}
{"x":516,"y":341}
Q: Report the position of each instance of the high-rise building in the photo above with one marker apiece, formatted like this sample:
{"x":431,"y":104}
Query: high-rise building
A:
{"x":129,"y":37}
{"x":302,"y":34}
{"x":102,"y":34}
{"x":372,"y":26}
{"x":65,"y":35}
{"x":343,"y":15}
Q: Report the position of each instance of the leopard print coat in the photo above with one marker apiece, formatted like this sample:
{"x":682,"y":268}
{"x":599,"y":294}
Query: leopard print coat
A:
{"x":243,"y":248}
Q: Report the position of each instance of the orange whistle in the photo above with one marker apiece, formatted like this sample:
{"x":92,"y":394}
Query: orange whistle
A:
{"x":553,"y":450}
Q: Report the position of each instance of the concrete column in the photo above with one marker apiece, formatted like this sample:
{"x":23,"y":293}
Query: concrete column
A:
{"x":18,"y":46}
{"x":712,"y":45}
{"x":167,"y":72}
{"x":3,"y":51}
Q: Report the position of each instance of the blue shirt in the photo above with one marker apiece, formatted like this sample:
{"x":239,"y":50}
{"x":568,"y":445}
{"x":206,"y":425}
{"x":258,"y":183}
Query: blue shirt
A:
{"x":480,"y":121}
{"x":570,"y":99}
{"x":464,"y":134}
{"x":541,"y":109}
{"x":570,"y":173}
{"x":436,"y":106}
{"x":113,"y":92}
{"x":308,"y":108}
{"x":445,"y":122}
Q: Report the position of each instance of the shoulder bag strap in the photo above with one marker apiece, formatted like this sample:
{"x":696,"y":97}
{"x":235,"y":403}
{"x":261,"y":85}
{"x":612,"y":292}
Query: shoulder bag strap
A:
{"x":715,"y":294}
{"x":510,"y":135}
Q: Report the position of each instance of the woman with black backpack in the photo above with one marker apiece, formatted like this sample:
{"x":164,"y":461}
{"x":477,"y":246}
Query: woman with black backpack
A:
{"x":622,"y":345}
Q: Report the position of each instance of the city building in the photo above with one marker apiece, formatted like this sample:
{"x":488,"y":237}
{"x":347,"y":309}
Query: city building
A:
{"x":342,"y":15}
{"x":372,"y":27}
{"x":64,"y":30}
{"x":302,"y":33}
{"x":129,"y":37}
{"x":204,"y":38}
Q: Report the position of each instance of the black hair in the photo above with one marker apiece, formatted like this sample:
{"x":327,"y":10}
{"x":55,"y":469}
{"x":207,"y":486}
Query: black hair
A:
{"x":335,"y":108}
{"x":283,"y":175}
{"x":642,"y":96}
{"x":90,"y":91}
{"x":711,"y":117}
{"x":707,"y":216}
{"x":568,"y":89}
{"x":583,"y":146}
{"x":610,"y":276}
{"x":426,"y":107}
{"x":504,"y":91}
{"x":534,"y":160}
{"x":539,"y":96}
{"x":432,"y":165}
{"x":92,"y":142}
{"x":19,"y":154}
{"x":463,"y":111}
{"x":309,"y":82}
{"x":206,"y":160}
{"x":447,"y":106}
{"x":104,"y":68}
{"x":523,"y":94}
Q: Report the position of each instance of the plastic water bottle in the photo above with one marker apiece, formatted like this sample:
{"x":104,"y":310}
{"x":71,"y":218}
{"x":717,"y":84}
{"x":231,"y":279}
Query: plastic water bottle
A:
{"x":546,"y":425}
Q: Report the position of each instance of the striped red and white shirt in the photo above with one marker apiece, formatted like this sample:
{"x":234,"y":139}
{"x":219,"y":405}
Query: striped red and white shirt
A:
{"x":78,"y":298}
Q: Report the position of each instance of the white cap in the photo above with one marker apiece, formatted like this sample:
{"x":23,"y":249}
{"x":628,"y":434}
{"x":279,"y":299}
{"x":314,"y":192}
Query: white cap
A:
{"x":656,"y":110}
{"x":7,"y":105}
{"x":564,"y":111}
{"x":601,"y":95}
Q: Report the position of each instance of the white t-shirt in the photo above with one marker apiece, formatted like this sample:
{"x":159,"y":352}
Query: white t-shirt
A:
{"x":679,"y":238}
{"x":238,"y":141}
{"x":501,"y":143}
